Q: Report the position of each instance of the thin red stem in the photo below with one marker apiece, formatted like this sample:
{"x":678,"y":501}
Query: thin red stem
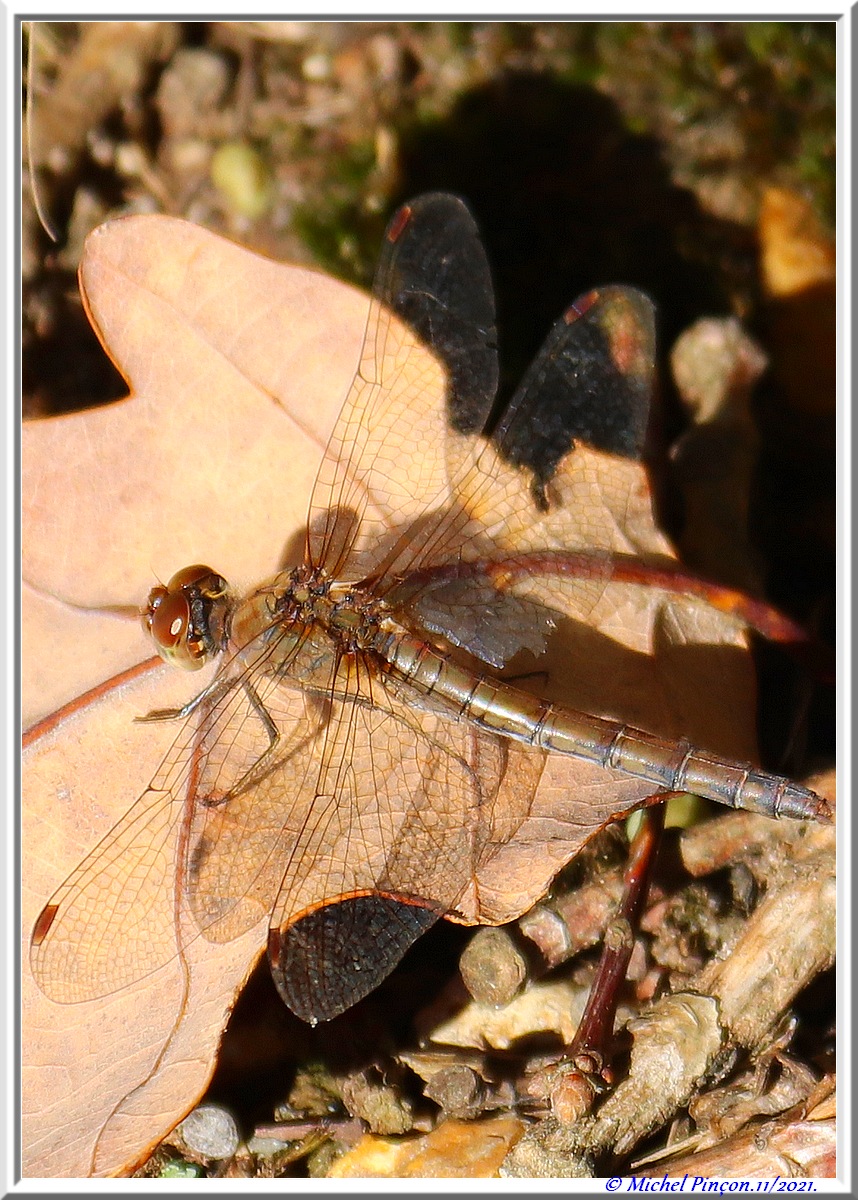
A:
{"x":590,"y":1046}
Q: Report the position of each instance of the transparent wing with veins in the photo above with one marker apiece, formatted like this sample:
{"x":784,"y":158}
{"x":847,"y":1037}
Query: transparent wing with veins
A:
{"x":358,"y":797}
{"x":401,"y":488}
{"x":116,"y":918}
{"x":387,"y":845}
{"x":375,"y":831}
{"x":386,"y":453}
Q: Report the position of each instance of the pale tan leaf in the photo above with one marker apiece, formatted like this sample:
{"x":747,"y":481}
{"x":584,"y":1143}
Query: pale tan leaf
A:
{"x":112,"y":497}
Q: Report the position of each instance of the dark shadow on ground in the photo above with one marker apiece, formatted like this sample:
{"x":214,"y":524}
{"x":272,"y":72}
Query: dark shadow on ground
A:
{"x":568,"y":198}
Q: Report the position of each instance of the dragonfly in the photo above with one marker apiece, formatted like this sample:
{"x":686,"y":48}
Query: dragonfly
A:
{"x":360,"y":753}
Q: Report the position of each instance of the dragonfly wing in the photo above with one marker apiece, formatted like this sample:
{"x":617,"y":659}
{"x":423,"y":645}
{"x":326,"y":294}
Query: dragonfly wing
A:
{"x":591,"y":381}
{"x":116,"y":919}
{"x":386,"y":845}
{"x":473,"y":613}
{"x":258,"y":759}
{"x":113,"y":921}
{"x":331,"y":957}
{"x":385,"y":462}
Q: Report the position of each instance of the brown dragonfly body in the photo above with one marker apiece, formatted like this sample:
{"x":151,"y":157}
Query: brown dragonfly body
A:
{"x":327,"y":620}
{"x":353,"y":764}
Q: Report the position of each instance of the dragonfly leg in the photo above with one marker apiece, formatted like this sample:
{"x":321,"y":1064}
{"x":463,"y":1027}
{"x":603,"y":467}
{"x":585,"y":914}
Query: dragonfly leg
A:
{"x":252,"y":774}
{"x":175,"y":714}
{"x":264,"y":716}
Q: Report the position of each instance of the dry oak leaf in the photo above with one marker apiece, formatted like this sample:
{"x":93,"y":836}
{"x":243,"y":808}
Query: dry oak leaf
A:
{"x":112,"y":499}
{"x":238,"y":367}
{"x":453,"y":1150}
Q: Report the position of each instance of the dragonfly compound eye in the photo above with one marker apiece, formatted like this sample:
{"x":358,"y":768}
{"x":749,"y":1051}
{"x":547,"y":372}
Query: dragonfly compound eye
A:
{"x":185,"y":618}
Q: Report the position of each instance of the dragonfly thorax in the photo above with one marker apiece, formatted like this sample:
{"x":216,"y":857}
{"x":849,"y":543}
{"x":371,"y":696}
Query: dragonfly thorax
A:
{"x":355,"y":617}
{"x":345,"y":613}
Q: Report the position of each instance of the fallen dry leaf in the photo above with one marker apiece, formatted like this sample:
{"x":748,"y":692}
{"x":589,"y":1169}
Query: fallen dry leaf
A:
{"x":156,"y":485}
{"x":238,"y":367}
{"x":453,"y":1150}
{"x":798,"y":260}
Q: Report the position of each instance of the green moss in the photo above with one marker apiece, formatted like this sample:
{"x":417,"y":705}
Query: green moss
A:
{"x":339,"y":231}
{"x":178,"y":1168}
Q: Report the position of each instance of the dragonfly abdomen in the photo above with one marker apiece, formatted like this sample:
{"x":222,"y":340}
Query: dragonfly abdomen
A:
{"x":676,"y":766}
{"x":669,"y":765}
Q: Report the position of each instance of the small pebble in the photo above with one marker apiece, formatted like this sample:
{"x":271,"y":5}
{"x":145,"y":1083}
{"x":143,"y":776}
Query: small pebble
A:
{"x":458,"y":1089}
{"x":492,"y":967}
{"x":241,"y":175}
{"x":195,"y":82}
{"x":265,"y":1147}
{"x":210,"y":1131}
{"x":177,"y":1168}
{"x":316,"y":67}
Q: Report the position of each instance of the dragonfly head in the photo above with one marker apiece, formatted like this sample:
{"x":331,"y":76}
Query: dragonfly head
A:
{"x":186,"y":619}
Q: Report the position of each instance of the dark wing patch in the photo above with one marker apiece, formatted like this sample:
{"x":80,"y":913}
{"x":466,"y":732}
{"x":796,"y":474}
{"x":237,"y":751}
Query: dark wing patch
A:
{"x":436,"y":278}
{"x":327,"y":960}
{"x":590,"y":382}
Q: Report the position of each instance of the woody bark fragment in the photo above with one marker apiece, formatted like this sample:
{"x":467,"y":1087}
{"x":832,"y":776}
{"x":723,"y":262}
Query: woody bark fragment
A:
{"x":787,"y":942}
{"x":801,"y":1142}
